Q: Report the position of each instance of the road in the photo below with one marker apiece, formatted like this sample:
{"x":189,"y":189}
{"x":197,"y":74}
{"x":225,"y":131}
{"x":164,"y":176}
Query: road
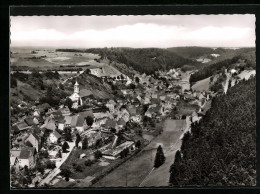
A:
{"x":72,"y":77}
{"x":56,"y":170}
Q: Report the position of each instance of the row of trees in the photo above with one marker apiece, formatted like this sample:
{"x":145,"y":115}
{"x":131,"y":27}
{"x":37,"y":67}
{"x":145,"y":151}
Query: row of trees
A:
{"x":221,"y":149}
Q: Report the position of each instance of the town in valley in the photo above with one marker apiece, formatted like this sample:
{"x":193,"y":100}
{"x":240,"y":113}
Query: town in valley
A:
{"x":131,"y":117}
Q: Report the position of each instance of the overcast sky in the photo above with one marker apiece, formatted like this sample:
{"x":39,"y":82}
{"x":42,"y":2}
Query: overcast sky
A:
{"x":133,"y":31}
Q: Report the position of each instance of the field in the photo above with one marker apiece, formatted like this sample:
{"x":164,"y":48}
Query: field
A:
{"x":129,"y":173}
{"x":202,"y":85}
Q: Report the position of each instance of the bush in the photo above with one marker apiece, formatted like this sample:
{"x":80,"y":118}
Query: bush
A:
{"x":88,"y":162}
{"x":98,"y":154}
{"x":78,"y":168}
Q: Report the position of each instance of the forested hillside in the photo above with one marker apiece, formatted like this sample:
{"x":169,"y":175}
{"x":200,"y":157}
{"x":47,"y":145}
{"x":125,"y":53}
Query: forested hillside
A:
{"x":145,"y":60}
{"x":193,"y":52}
{"x":242,"y":61}
{"x":221,"y":149}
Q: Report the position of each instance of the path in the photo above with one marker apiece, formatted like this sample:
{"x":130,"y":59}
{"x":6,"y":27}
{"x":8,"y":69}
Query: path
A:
{"x":72,"y":77}
{"x":160,"y":176}
{"x":56,"y":170}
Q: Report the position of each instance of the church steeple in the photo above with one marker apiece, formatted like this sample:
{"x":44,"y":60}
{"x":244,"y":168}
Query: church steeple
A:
{"x":76,"y":87}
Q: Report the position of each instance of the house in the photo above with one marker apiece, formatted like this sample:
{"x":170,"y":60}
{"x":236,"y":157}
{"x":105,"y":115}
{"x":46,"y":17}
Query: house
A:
{"x":50,"y":124}
{"x":194,"y":117}
{"x":34,"y":140}
{"x":110,"y":123}
{"x":114,"y":153}
{"x":99,"y":122}
{"x":67,"y":122}
{"x":111,"y":105}
{"x":27,"y":157}
{"x":120,"y":124}
{"x":14,"y":162}
{"x":29,"y":121}
{"x":54,"y":137}
{"x":65,"y":111}
{"x":21,"y":126}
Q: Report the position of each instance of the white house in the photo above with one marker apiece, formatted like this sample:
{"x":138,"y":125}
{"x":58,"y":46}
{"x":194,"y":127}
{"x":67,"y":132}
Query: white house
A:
{"x":111,"y":105}
{"x":27,"y":157}
{"x":54,"y":137}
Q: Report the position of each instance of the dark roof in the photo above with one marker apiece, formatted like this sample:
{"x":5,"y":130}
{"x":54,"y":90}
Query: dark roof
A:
{"x":44,"y":106}
{"x":29,"y":121}
{"x":131,"y":110}
{"x":22,"y":126}
{"x":85,"y":92}
{"x":87,"y":113}
{"x":121,"y":122}
{"x":110,"y":123}
{"x":26,"y":152}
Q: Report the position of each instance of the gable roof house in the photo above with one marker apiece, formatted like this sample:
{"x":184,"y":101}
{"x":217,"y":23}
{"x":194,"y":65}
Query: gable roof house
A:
{"x":29,"y":121}
{"x":21,"y":126}
{"x":27,"y":157}
{"x":34,"y":140}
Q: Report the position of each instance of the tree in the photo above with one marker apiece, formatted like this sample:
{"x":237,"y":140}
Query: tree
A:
{"x":132,"y":86}
{"x":159,"y":158}
{"x":59,"y":154}
{"x":137,"y":80}
{"x":61,"y":86}
{"x":25,"y":171}
{"x":89,"y":120}
{"x":78,"y":139}
{"x":138,"y":144}
{"x":68,"y":103}
{"x":50,"y":164}
{"x":67,"y":134}
{"x":97,"y":154}
{"x":66,"y":172}
{"x":88,"y":162}
{"x":13,"y":82}
{"x":85,"y":143}
{"x":65,"y":146}
{"x":78,"y":168}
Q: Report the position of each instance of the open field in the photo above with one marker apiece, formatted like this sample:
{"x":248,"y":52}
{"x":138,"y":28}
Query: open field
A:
{"x":129,"y":173}
{"x":202,"y":85}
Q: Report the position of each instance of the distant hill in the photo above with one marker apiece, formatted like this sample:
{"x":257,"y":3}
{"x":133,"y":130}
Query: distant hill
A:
{"x":144,"y":60}
{"x":221,"y":149}
{"x":193,"y":52}
{"x":244,"y":60}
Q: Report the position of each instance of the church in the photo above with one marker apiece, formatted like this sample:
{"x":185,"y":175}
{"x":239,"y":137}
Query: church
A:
{"x":75,"y":97}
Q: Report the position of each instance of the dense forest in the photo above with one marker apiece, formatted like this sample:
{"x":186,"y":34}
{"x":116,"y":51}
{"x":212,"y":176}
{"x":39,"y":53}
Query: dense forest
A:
{"x":194,"y":52}
{"x":243,"y":61}
{"x":221,"y":149}
{"x":145,"y":60}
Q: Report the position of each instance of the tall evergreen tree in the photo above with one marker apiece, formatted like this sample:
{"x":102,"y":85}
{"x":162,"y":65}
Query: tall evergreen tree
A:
{"x":85,"y":143}
{"x":78,"y":139}
{"x":159,"y":158}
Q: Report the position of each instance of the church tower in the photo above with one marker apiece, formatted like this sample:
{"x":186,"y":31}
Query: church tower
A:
{"x":76,"y":88}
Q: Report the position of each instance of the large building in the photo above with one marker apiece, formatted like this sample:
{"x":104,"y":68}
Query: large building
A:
{"x":75,"y":97}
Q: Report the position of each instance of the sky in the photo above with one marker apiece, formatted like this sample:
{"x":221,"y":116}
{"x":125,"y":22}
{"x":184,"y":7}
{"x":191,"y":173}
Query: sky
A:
{"x":160,"y":31}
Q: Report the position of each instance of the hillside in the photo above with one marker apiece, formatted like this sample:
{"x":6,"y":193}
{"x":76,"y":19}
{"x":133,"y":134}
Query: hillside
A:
{"x":242,"y":61}
{"x":221,"y":149}
{"x":146,"y":60}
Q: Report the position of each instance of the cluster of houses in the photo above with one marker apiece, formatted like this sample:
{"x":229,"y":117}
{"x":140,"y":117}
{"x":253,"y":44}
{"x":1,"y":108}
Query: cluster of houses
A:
{"x":160,"y":98}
